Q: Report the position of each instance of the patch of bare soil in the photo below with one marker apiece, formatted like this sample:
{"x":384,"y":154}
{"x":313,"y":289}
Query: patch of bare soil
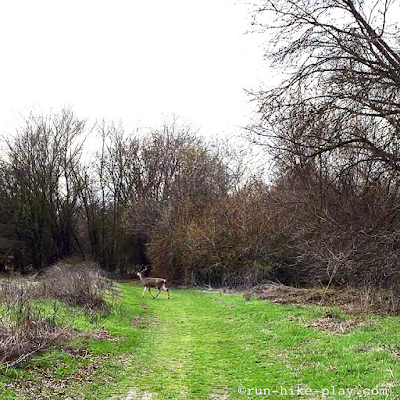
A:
{"x":133,"y":394}
{"x":350,"y":300}
{"x":218,"y":395}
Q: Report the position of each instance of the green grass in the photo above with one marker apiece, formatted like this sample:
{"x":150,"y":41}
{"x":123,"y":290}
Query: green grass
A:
{"x":202,"y":346}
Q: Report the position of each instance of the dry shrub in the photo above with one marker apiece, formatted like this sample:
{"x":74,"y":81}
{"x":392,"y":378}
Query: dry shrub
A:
{"x":235,"y":241}
{"x":24,"y":330}
{"x":27,"y":335}
{"x":17,"y":292}
{"x":345,"y":226}
{"x":79,"y":284}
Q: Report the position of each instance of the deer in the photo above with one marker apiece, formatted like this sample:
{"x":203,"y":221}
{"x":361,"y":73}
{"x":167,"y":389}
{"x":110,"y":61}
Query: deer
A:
{"x":148,"y":283}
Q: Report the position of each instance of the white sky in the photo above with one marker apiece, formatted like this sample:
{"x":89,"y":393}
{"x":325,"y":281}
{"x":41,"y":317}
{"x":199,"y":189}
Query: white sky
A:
{"x":134,"y":60}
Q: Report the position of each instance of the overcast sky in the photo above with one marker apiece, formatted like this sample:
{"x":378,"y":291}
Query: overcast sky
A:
{"x":134,"y":60}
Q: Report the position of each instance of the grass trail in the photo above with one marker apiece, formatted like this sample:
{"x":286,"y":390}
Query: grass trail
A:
{"x":202,"y":345}
{"x":205,"y":346}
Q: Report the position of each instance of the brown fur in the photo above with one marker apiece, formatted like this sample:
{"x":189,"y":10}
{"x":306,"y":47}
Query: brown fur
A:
{"x":148,"y":283}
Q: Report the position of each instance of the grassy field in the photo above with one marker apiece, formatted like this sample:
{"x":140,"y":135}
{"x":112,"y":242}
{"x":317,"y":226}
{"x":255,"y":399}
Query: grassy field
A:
{"x":202,"y":345}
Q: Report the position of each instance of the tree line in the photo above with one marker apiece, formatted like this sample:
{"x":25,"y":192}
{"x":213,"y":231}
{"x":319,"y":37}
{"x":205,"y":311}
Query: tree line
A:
{"x":166,"y":197}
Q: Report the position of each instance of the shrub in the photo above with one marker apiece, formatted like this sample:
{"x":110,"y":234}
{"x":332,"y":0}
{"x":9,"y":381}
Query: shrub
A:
{"x":27,"y":334}
{"x":79,"y":284}
{"x":24,"y":329}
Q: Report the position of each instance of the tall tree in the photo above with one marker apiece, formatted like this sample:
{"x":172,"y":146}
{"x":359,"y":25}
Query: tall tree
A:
{"x":43,"y":159}
{"x":333,"y":125}
{"x":341,"y":96}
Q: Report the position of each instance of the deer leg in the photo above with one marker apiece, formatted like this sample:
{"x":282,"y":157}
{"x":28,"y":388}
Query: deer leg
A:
{"x":166,"y":289}
{"x":159,"y":291}
{"x":144,"y":291}
{"x":151,"y":294}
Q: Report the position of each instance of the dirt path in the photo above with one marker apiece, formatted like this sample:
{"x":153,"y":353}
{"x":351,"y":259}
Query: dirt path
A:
{"x":134,"y":394}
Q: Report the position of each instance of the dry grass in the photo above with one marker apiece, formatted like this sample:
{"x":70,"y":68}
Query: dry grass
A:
{"x":21,"y":338}
{"x":351,"y":300}
{"x":46,"y":386}
{"x":335,"y":325}
{"x":25,"y":328}
{"x":134,"y":393}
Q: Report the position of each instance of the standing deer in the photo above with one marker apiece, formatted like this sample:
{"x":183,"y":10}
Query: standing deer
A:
{"x":148,"y":283}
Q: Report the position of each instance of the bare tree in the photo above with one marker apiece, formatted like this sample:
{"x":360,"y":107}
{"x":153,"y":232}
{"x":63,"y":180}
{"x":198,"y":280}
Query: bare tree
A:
{"x":181,"y":175}
{"x":341,"y":94}
{"x":333,"y":125}
{"x":118,"y":171}
{"x":43,"y":159}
